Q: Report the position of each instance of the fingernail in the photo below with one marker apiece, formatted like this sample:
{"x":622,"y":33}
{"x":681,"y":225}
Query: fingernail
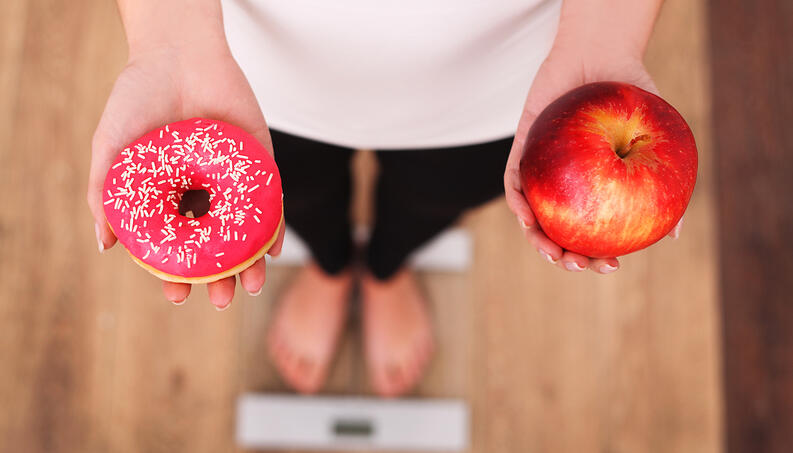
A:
{"x":548,"y":256}
{"x":573,"y":266}
{"x":99,"y":244}
{"x":223,"y":307}
{"x":256,"y":293}
{"x":523,"y":224}
{"x":607,"y":269}
{"x":676,"y":232}
{"x":178,"y":302}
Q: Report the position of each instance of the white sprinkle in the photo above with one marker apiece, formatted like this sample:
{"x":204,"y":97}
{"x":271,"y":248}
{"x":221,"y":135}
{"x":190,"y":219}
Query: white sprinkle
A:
{"x":218,"y":264}
{"x":219,"y":254}
{"x":255,"y":217}
{"x":268,"y":179}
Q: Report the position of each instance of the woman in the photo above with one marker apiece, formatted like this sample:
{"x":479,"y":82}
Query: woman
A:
{"x":436,"y":87}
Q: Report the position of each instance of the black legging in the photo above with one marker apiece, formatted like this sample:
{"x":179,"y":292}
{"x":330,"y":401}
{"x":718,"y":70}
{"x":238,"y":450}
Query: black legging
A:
{"x":420,"y":192}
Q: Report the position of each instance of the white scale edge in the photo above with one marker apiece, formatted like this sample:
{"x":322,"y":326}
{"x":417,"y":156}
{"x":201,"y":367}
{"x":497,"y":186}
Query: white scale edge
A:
{"x":269,"y":421}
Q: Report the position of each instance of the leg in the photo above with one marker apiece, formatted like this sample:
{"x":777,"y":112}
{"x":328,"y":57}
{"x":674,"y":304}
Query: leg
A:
{"x":419,"y":194}
{"x":316,"y":183}
{"x":310,"y":314}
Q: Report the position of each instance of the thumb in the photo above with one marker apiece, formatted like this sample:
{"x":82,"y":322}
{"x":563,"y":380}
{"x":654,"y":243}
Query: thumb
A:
{"x":103,"y":153}
{"x":513,"y":189}
{"x":121,"y":122}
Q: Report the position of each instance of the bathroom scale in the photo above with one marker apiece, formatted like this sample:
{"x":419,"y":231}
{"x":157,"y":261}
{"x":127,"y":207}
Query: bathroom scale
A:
{"x":277,"y":421}
{"x":450,"y":251}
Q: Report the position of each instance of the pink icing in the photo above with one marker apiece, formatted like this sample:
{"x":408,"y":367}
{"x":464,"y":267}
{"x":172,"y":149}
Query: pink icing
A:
{"x":145,"y":183}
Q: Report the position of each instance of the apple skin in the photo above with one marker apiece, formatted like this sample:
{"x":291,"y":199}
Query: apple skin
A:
{"x":588,"y":198}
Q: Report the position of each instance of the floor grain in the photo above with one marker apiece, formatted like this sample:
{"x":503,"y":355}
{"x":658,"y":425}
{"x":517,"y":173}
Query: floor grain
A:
{"x":751,"y":48}
{"x":94,"y":359}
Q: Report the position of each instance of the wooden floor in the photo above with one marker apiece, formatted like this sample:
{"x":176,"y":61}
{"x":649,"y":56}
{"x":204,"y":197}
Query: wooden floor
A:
{"x":93,"y":359}
{"x":751,"y":45}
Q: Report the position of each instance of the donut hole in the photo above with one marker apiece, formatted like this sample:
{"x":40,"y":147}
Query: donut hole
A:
{"x":194,"y":203}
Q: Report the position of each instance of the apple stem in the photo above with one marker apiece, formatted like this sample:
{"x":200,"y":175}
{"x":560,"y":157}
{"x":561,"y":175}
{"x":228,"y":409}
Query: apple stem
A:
{"x":625,"y":150}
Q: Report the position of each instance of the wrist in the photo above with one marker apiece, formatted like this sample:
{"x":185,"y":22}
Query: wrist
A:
{"x":590,"y":49}
{"x":606,"y":29}
{"x":174,"y":25}
{"x":181,"y":48}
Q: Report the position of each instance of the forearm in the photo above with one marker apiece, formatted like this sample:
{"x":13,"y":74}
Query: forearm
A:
{"x":153,"y":24}
{"x":597,"y":26}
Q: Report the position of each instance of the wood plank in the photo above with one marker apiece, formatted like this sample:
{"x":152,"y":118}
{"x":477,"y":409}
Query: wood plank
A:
{"x":751,"y":46}
{"x":56,"y":349}
{"x":627,"y":362}
{"x":95,"y":360}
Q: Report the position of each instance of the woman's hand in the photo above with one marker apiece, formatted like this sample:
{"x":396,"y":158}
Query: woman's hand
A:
{"x":166,"y":83}
{"x":563,"y":70}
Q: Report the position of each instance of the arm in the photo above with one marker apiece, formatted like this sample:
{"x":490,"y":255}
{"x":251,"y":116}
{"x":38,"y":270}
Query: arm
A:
{"x":598,"y":27}
{"x":152,"y":24}
{"x":597,"y":40}
{"x":179,"y":67}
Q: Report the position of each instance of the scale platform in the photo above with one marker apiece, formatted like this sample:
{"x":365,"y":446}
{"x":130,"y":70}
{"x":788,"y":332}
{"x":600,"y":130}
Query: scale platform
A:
{"x":268,"y":421}
{"x":450,"y":251}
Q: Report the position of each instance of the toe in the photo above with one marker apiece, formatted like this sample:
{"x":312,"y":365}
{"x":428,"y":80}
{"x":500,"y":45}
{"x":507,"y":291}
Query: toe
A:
{"x":381,"y":381}
{"x":396,"y":379}
{"x":307,"y":379}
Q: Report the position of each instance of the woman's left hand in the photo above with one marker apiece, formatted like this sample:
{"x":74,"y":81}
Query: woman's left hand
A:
{"x":563,"y":70}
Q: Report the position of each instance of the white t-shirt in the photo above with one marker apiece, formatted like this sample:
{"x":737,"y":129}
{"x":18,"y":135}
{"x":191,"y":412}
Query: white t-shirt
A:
{"x":391,"y":73}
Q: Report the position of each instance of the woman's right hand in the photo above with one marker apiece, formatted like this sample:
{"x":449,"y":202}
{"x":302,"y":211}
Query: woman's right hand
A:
{"x":163,"y":84}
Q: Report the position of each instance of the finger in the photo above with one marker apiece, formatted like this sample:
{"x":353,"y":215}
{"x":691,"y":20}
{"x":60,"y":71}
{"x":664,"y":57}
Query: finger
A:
{"x":516,"y":200}
{"x":573,"y":262}
{"x":545,"y":247}
{"x":675,"y":233}
{"x":275,"y":249}
{"x":604,"y":265}
{"x":221,"y":292}
{"x":176,"y":292}
{"x":252,"y":278}
{"x":101,"y":160}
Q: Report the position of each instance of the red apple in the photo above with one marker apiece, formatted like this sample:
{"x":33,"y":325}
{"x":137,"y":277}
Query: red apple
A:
{"x":608,"y":169}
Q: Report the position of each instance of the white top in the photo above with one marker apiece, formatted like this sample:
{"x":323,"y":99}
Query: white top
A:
{"x":391,"y":73}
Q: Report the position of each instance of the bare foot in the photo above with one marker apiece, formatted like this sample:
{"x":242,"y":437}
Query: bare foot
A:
{"x":306,"y":327}
{"x":397,"y":332}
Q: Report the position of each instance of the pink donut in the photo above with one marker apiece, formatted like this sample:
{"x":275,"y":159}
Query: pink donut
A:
{"x":146,"y":186}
